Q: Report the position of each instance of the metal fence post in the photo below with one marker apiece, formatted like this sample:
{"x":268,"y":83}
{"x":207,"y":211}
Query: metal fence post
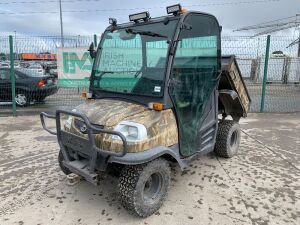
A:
{"x":263,"y":93}
{"x":12,"y":75}
{"x":95,"y":40}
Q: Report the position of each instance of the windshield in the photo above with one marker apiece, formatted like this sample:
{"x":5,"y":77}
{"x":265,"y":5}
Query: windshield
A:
{"x":132,"y":60}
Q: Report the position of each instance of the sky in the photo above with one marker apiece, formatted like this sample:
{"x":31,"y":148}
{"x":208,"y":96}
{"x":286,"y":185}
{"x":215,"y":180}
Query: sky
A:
{"x":41,"y":17}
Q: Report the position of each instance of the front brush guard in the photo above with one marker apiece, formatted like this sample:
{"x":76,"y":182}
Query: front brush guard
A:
{"x":98,"y":157}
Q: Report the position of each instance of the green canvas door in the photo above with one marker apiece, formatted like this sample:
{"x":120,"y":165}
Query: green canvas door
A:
{"x":194,"y":79}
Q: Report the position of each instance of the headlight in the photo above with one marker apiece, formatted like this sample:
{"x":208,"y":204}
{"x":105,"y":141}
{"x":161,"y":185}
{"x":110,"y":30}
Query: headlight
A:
{"x":68,"y":122}
{"x":131,"y":130}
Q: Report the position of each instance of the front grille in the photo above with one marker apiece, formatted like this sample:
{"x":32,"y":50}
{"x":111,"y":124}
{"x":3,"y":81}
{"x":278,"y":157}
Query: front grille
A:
{"x":76,"y":143}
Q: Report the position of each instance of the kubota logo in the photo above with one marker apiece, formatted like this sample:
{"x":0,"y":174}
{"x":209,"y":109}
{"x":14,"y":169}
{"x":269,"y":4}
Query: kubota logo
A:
{"x":83,"y":128}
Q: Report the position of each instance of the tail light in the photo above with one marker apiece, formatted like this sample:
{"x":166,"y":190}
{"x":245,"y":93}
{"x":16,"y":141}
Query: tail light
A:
{"x":41,"y":83}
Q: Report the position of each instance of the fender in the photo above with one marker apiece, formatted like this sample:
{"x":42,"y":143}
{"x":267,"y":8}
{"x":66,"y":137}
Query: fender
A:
{"x":147,"y":156}
{"x":230,"y":102}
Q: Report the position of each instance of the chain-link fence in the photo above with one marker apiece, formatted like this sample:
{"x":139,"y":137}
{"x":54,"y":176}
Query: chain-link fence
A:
{"x":282,"y":83}
{"x":37,"y":87}
{"x":43,"y":71}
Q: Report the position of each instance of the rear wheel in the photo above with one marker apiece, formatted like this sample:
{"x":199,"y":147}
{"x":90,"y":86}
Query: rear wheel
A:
{"x":61,"y":165}
{"x":22,"y":99}
{"x":228,"y":139}
{"x":143,"y":188}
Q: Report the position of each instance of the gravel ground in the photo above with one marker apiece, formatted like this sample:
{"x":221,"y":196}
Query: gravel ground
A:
{"x":259,"y":186}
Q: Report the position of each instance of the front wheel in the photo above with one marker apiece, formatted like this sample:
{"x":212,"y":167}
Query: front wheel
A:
{"x":228,"y":139}
{"x":64,"y":169}
{"x":143,"y":188}
{"x":22,"y":99}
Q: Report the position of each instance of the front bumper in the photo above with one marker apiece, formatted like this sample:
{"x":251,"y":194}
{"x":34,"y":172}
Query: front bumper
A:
{"x":44,"y":91}
{"x":95,"y":158}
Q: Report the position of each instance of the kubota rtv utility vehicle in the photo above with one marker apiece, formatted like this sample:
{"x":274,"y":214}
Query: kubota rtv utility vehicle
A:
{"x":159,"y":92}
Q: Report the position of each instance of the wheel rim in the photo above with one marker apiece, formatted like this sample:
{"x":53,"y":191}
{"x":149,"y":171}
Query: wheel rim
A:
{"x":233,"y":139}
{"x":21,"y":99}
{"x":152,"y":188}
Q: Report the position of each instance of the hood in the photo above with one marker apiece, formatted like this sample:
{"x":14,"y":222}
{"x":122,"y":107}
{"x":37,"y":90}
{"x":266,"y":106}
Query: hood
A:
{"x":109,"y":112}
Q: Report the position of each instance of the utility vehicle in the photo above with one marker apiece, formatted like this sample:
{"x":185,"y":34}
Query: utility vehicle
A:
{"x":158,"y":94}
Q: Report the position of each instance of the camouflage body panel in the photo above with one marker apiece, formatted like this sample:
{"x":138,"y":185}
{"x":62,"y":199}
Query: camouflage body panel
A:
{"x":239,"y":86}
{"x":161,"y":125}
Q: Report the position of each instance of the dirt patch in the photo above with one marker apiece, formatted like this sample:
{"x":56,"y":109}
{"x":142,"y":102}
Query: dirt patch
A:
{"x":259,"y":186}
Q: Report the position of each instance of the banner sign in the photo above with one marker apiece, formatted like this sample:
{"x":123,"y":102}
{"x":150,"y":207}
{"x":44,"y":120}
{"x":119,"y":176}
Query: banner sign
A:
{"x":74,"y":66}
{"x":33,"y":56}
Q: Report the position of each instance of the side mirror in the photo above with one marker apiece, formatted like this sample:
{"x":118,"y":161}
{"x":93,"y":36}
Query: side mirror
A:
{"x":92,"y":51}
